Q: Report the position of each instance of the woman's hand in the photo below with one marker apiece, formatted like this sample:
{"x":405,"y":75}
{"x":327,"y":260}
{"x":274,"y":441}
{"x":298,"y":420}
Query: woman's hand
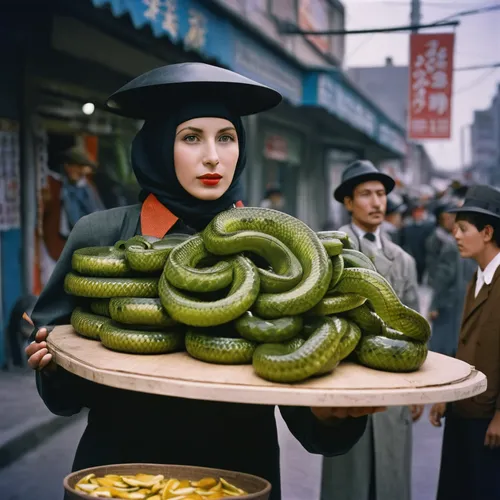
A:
{"x":325,"y":414}
{"x":492,"y":438}
{"x":38,"y":354}
{"x":437,"y":413}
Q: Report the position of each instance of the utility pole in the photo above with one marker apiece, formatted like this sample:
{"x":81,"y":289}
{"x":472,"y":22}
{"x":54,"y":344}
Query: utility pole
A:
{"x":415,"y":15}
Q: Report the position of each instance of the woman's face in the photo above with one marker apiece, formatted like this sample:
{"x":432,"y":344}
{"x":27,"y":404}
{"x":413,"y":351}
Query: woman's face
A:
{"x":470,"y":241}
{"x":206,"y":152}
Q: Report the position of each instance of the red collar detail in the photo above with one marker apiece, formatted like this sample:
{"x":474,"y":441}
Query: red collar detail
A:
{"x":157,"y":220}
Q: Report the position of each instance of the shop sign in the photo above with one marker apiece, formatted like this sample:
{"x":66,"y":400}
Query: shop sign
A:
{"x":276,"y":148}
{"x":260,"y":64}
{"x":342,"y":102}
{"x":430,"y":89}
{"x":183,"y":21}
{"x":390,"y":137}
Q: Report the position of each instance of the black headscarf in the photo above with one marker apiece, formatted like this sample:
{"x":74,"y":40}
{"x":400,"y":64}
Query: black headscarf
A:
{"x":153,"y":164}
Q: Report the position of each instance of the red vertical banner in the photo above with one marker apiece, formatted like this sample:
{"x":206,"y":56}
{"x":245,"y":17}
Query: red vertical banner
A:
{"x":430,"y":85}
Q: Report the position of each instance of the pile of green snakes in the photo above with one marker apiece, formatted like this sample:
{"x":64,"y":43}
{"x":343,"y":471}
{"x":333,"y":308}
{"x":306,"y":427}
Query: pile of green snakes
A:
{"x":256,"y":286}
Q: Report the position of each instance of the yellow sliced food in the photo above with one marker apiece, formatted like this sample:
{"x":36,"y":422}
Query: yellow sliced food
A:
{"x":147,"y":478}
{"x":155,"y":497}
{"x":86,"y":479}
{"x":101,"y":494}
{"x":206,"y":483}
{"x":172,"y":484}
{"x":124,"y":486}
{"x":230,"y":493}
{"x":86,"y":487}
{"x":193,"y":496}
{"x":184,"y":491}
{"x":231,"y":487}
{"x":115,"y":477}
{"x":158,"y":486}
{"x":215,"y":495}
{"x":142,"y":484}
{"x":106,"y":481}
{"x":94,"y":481}
{"x":217,"y":487}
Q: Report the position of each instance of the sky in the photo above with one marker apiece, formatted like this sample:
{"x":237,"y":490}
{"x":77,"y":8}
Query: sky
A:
{"x":477,"y":42}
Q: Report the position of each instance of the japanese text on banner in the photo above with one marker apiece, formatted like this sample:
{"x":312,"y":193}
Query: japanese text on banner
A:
{"x":431,"y":75}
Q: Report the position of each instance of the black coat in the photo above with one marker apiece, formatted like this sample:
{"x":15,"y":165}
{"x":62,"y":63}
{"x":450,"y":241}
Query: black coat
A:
{"x":125,"y":426}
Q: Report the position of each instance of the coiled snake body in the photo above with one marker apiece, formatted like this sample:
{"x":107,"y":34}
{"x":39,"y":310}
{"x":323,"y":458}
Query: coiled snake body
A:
{"x":210,"y":294}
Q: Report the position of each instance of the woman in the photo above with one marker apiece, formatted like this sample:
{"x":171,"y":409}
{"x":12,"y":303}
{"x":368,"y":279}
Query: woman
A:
{"x":188,"y":159}
{"x":471,"y":445}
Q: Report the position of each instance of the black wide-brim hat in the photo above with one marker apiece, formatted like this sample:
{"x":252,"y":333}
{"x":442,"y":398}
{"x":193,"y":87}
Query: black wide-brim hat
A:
{"x":481,"y":199}
{"x":358,"y":172}
{"x":166,"y":88}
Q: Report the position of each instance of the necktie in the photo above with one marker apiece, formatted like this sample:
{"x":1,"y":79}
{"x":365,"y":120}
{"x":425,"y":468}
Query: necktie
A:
{"x":370,"y":237}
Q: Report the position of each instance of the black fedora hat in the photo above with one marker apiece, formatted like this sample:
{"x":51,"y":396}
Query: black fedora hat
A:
{"x":395,"y":203}
{"x":481,"y":199}
{"x":165,"y":88}
{"x":358,"y":172}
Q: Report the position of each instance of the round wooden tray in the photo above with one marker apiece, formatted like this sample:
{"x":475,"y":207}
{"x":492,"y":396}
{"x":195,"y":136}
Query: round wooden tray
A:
{"x":441,"y":378}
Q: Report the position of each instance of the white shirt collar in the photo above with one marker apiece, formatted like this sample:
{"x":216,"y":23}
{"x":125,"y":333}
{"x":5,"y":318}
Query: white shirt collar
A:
{"x":361,"y":233}
{"x":486,"y":276}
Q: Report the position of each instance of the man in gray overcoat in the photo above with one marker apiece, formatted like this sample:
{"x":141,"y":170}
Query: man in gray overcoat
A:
{"x":445,"y":277}
{"x":378,"y":467}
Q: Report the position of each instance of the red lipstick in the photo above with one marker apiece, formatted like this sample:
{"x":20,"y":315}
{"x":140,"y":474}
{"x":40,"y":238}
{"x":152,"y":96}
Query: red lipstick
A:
{"x":210,"y":179}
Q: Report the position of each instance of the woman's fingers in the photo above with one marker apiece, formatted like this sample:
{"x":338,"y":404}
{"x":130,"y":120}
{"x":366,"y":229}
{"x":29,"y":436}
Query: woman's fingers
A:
{"x":34,"y":347}
{"x":35,"y":359}
{"x":41,"y":335}
{"x":45,"y":361}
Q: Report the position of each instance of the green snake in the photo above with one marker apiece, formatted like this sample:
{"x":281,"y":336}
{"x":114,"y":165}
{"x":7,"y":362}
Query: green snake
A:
{"x":295,"y":302}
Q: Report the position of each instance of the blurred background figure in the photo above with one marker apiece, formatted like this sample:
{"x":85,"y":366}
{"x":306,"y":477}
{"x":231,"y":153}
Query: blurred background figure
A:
{"x":414,"y":235}
{"x":70,"y":196}
{"x":393,"y":221}
{"x":444,"y":268}
{"x":273,"y":198}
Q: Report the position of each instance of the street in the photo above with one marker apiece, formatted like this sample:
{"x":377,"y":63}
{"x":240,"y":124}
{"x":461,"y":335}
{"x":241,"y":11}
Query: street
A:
{"x":39,"y":473}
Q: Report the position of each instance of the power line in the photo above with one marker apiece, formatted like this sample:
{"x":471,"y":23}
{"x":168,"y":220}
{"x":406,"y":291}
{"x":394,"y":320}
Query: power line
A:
{"x":472,"y":12}
{"x":475,"y":82}
{"x":291,"y":29}
{"x":481,"y":66}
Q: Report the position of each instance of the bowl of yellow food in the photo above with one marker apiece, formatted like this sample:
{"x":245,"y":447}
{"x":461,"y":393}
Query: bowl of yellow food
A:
{"x":164,"y":482}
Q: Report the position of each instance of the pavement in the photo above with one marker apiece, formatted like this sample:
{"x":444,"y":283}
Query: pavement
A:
{"x":25,"y":421}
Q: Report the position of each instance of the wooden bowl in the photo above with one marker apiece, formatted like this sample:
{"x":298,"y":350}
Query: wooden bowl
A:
{"x":258,"y":488}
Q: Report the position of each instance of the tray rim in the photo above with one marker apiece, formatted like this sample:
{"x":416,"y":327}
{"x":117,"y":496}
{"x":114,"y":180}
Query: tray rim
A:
{"x":282,"y":395}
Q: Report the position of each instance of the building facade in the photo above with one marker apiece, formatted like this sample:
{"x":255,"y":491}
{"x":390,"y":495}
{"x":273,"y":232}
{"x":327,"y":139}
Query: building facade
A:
{"x":485,"y":144}
{"x":388,"y":86}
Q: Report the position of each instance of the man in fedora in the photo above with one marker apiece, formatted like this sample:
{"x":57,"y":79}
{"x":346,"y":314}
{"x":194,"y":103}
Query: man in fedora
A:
{"x":470,"y":458}
{"x":69,"y":196}
{"x":357,"y":475}
{"x":394,"y":216}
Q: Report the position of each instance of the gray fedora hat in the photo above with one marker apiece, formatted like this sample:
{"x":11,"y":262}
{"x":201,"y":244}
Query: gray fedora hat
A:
{"x":358,"y":172}
{"x":166,"y":88}
{"x":481,"y":199}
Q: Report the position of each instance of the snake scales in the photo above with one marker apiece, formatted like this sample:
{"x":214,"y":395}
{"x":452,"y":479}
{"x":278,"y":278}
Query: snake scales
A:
{"x":256,"y":286}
